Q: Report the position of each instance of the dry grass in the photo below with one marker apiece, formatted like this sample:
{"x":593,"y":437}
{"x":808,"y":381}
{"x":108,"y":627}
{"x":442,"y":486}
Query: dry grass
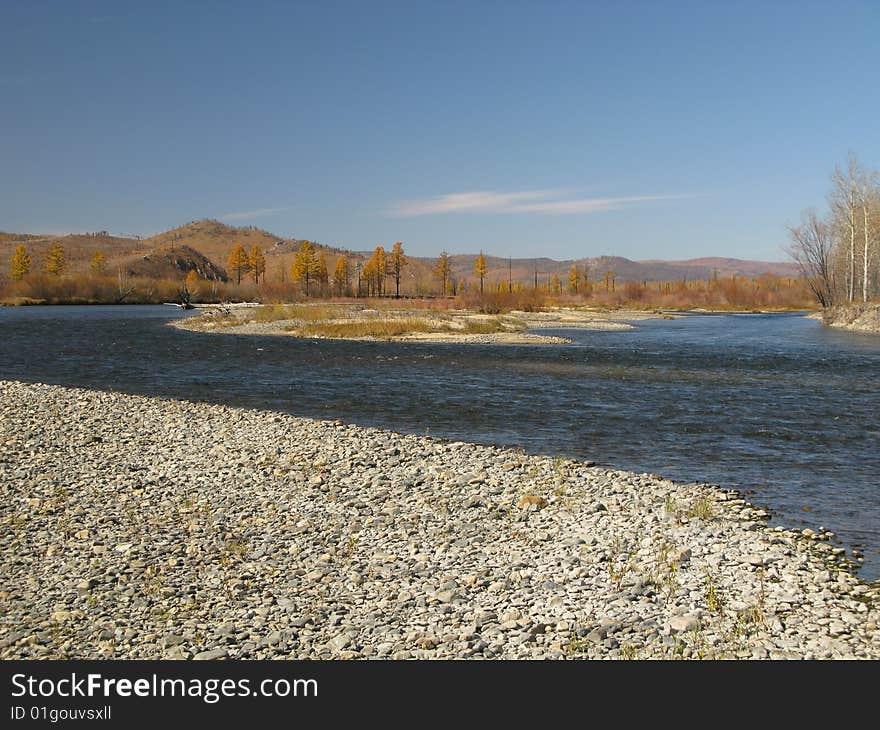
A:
{"x":432,"y":304}
{"x":380,"y":328}
{"x":19,"y":301}
{"x":396,"y":327}
{"x":489,"y":326}
{"x":303,"y":312}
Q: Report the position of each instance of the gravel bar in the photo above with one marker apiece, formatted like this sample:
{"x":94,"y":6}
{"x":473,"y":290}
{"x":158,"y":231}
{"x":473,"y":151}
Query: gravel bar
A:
{"x":135,"y":527}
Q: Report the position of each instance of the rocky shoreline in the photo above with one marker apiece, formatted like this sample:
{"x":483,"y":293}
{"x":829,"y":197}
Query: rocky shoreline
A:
{"x":854,"y":317}
{"x":138,"y":527}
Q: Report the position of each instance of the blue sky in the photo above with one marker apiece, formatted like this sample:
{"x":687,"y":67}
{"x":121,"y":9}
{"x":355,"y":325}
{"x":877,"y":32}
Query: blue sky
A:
{"x":647,"y":130}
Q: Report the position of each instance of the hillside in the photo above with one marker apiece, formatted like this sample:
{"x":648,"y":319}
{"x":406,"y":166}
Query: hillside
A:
{"x":78,"y":248}
{"x":210,"y":239}
{"x":174,"y":263}
{"x":206,"y":245}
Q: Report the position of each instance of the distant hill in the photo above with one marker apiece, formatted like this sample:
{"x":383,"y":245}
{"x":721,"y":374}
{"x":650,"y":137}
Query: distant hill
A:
{"x":523,"y":270}
{"x":155,"y":256}
{"x":205,"y":246}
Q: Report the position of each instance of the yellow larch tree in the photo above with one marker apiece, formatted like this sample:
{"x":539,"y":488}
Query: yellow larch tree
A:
{"x":55,"y":263}
{"x":574,"y":279}
{"x":257,"y":262}
{"x":321,"y":275}
{"x":239,"y":262}
{"x":20,"y":266}
{"x":98,"y":263}
{"x":396,"y":263}
{"x":341,"y":277}
{"x":375,"y":271}
{"x":305,"y":266}
{"x":480,"y":269}
{"x":443,"y":270}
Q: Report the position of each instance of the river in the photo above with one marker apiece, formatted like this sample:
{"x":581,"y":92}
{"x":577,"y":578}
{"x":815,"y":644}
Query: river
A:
{"x":776,"y":406}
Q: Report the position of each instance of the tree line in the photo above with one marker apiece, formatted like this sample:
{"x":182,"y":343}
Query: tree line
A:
{"x":383,"y":274}
{"x":839,"y":252}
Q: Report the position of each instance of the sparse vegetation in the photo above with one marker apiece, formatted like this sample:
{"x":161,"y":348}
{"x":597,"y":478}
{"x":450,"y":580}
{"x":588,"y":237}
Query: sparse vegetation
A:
{"x":701,"y":509}
{"x":714,"y":601}
{"x":392,"y":327}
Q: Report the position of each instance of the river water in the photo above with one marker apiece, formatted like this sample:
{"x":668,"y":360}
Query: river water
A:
{"x":773,"y":405}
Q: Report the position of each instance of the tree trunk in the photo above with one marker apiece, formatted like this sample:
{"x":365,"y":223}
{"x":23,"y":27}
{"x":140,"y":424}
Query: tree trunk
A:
{"x":852,"y":249}
{"x":865,"y":262}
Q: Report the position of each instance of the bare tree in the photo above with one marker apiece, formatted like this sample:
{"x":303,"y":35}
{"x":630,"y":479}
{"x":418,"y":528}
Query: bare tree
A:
{"x":869,"y":193}
{"x":123,"y":286}
{"x":843,"y":204}
{"x":812,"y":247}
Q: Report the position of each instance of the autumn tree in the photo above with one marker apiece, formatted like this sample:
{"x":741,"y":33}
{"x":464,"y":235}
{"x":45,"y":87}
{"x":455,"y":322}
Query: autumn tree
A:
{"x":98,"y":263}
{"x":554,"y":284}
{"x":321,"y":276}
{"x":480,"y":268}
{"x":375,"y":270}
{"x":443,"y":270}
{"x":396,"y":262}
{"x":192,"y":280}
{"x":574,"y":279}
{"x":341,"y":277}
{"x":257,"y":263}
{"x":610,"y":277}
{"x":305,"y":266}
{"x":55,"y":262}
{"x":239,"y":262}
{"x":368,"y":276}
{"x":20,"y":266}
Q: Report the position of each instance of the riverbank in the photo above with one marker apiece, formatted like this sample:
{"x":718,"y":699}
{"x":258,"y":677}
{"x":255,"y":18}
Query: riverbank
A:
{"x":855,"y":317}
{"x":399,"y":323}
{"x":138,"y":527}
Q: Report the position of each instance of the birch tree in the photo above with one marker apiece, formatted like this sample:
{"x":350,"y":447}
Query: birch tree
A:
{"x":843,"y":205}
{"x":869,"y":195}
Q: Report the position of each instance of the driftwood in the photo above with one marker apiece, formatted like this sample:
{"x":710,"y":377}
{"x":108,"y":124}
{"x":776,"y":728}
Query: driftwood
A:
{"x":184,"y":298}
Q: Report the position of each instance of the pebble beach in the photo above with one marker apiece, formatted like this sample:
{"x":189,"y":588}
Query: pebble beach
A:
{"x":146,"y":528}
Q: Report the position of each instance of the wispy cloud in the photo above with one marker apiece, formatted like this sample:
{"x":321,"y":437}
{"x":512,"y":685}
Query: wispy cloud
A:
{"x":244,"y":214}
{"x":529,"y":201}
